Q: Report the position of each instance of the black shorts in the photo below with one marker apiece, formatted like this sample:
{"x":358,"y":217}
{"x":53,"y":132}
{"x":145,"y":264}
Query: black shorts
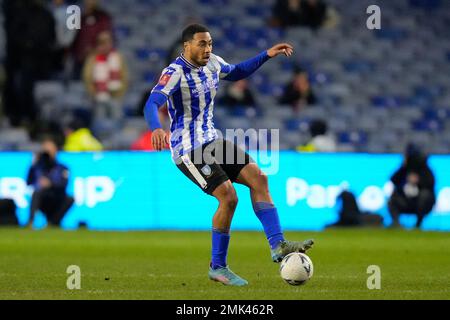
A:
{"x":213,"y":163}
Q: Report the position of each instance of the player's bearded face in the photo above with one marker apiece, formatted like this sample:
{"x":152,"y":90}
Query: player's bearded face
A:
{"x":199,"y":48}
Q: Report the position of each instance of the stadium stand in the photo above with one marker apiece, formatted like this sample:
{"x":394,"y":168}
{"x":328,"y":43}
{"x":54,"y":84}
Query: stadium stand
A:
{"x":378,"y":90}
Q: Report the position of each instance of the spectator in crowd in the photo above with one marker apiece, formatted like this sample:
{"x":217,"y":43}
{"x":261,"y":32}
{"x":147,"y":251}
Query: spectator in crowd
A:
{"x":238,"y":94}
{"x":79,"y":138}
{"x":298,"y":92}
{"x":413,"y":187}
{"x":105,"y":75}
{"x":309,"y":13}
{"x":30,"y":41}
{"x":64,"y":35}
{"x":49,"y":179}
{"x":320,"y":141}
{"x":93,"y":22}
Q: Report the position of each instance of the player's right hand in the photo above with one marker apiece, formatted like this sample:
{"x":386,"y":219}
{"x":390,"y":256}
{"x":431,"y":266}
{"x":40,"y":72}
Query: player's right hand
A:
{"x":159,"y":139}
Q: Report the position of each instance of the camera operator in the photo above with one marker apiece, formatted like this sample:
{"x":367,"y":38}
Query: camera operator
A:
{"x":49,"y":179}
{"x":414,"y":187}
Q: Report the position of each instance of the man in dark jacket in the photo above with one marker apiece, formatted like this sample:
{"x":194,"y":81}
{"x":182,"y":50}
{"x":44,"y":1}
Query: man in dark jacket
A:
{"x":30,"y":40}
{"x":49,"y":179}
{"x":298,"y":92}
{"x":413,"y":187}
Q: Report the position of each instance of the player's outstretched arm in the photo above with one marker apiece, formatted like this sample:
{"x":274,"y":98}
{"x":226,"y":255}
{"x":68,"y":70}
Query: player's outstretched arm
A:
{"x":247,"y":67}
{"x":159,"y":136}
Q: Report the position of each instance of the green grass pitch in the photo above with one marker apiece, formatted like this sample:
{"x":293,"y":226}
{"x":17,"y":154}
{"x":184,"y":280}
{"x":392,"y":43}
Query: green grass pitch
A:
{"x":173,"y":265}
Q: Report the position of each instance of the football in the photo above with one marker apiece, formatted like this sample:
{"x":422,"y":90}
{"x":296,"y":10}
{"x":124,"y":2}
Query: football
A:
{"x":296,"y":268}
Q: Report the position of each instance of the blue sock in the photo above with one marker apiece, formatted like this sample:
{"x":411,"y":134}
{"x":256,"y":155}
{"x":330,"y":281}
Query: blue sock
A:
{"x":220,"y":241}
{"x":268,"y":215}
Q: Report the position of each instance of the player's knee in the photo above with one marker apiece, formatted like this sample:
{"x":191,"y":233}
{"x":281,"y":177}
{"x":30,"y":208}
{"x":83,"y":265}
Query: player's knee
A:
{"x":231,"y":200}
{"x":226,"y":194}
{"x":261,"y":183}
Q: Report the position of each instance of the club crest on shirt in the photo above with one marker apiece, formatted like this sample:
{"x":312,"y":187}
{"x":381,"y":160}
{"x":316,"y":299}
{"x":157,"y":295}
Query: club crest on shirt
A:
{"x":212,"y":67}
{"x":206,"y":170}
{"x":164,"y":79}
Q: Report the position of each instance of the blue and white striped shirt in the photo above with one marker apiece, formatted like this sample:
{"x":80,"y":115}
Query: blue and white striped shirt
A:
{"x":190,"y":93}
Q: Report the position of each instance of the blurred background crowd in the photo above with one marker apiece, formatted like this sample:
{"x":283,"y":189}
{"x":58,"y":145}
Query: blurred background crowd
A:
{"x":347,"y":88}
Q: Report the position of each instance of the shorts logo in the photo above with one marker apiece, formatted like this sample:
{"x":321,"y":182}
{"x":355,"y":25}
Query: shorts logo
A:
{"x":164,"y":79}
{"x":206,"y":170}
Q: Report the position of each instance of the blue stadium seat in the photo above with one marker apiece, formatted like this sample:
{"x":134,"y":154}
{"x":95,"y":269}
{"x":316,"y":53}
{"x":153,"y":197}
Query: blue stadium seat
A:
{"x":427,"y":125}
{"x":352,"y":137}
{"x":150,"y":77}
{"x":122,"y":31}
{"x":392,"y":34}
{"x":297,"y":124}
{"x":358,"y":66}
{"x":389,"y":101}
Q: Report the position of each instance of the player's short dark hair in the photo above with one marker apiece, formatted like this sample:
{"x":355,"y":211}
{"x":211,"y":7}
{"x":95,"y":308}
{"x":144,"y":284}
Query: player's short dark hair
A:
{"x":190,"y":30}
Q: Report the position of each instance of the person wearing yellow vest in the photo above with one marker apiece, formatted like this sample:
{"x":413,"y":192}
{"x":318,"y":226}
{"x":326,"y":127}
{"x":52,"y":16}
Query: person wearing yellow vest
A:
{"x":79,"y":138}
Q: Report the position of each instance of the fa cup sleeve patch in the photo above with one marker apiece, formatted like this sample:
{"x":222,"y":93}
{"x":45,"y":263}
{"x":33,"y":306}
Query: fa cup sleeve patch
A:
{"x":164,"y":79}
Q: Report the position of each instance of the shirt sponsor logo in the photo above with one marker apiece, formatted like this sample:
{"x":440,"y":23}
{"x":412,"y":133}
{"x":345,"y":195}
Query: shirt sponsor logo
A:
{"x":205,"y":87}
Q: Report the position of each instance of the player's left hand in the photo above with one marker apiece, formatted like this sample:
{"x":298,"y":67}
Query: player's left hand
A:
{"x":281,"y":48}
{"x":159,"y":139}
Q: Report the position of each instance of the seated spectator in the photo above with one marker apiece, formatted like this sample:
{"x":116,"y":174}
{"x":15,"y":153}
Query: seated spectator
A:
{"x":105,"y":75}
{"x":308,"y":13}
{"x":79,"y":138}
{"x":413,"y":187}
{"x":238,"y":94}
{"x":49,"y":179}
{"x":94,"y":21}
{"x":298,"y":92}
{"x":320,"y":140}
